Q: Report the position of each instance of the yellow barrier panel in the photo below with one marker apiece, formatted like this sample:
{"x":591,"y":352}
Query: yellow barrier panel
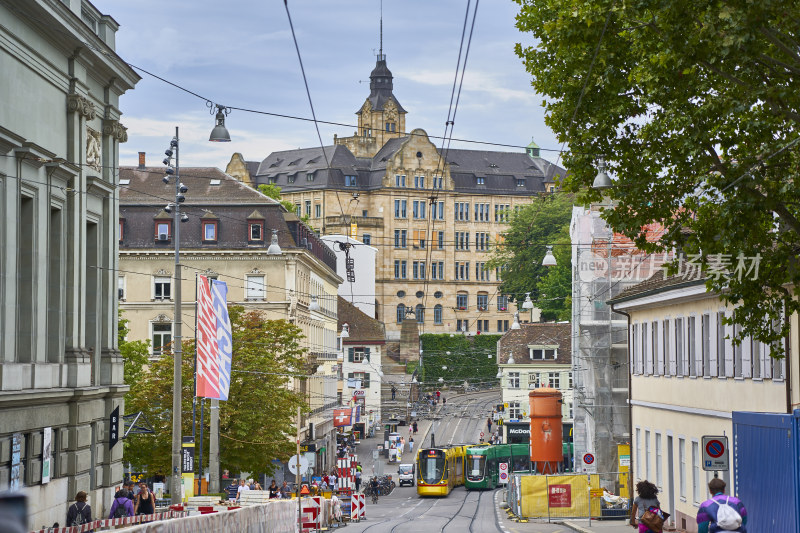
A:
{"x":564,"y":496}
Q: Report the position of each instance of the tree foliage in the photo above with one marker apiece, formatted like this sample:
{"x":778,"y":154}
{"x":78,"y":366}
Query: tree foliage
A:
{"x":534,"y":227}
{"x":471,"y":359}
{"x":694,"y":108}
{"x":274,"y":192}
{"x":257,"y":420}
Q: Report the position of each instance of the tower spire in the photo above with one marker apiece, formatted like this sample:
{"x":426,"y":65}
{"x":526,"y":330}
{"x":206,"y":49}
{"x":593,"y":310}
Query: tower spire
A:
{"x":380,"y":53}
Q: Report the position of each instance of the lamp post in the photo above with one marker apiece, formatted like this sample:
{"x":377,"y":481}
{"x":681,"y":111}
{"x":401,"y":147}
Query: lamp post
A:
{"x":177,"y":385}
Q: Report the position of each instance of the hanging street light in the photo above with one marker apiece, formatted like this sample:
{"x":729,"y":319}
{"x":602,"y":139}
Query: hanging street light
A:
{"x":274,"y":248}
{"x":549,"y":259}
{"x":220,"y":132}
{"x":527,"y":304}
{"x":314,"y":305}
{"x":516,"y":325}
{"x":602,"y":181}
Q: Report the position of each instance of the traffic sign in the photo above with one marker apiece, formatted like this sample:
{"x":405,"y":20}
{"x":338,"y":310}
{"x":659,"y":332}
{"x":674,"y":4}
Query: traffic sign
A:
{"x":481,"y":434}
{"x":588,"y":459}
{"x":715,"y":453}
{"x":503,"y":472}
{"x":293,"y":464}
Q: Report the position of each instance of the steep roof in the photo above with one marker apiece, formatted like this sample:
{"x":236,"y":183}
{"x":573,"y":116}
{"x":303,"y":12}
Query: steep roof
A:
{"x":363,"y":328}
{"x":658,"y":282}
{"x":207,"y":186}
{"x":516,"y":342}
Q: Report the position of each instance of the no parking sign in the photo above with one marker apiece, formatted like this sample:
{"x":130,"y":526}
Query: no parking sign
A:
{"x":715,"y":453}
{"x":503,"y":473}
{"x":589,"y":464}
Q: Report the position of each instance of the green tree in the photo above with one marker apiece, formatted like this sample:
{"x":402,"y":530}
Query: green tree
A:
{"x":471,"y":359}
{"x":257,"y":420}
{"x":694,"y":108}
{"x":534,"y":227}
{"x":274,"y":192}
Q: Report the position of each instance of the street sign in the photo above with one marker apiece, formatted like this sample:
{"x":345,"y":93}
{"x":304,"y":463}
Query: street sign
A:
{"x":503,"y":472}
{"x":588,"y":459}
{"x":293,"y":464}
{"x":589,"y":463}
{"x":715,"y":453}
{"x":481,"y":434}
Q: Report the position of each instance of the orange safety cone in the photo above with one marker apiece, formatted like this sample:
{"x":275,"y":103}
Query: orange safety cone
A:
{"x":304,"y":491}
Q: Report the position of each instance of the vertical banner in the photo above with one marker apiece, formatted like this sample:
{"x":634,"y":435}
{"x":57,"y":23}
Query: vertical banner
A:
{"x":113,"y":428}
{"x":46,"y":454}
{"x":224,"y":337}
{"x":187,"y":468}
{"x":206,"y":339}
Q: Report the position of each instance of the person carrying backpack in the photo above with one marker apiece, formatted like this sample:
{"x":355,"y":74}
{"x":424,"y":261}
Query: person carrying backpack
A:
{"x":122,"y":506}
{"x":721,"y":512}
{"x":80,"y":512}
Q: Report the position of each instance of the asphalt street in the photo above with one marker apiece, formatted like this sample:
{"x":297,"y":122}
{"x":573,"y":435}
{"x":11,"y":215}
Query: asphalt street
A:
{"x":461,"y":421}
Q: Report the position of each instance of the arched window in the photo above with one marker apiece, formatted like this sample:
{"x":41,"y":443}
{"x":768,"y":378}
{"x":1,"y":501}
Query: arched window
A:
{"x":437,"y":314}
{"x":401,"y":313}
{"x":420,"y":312}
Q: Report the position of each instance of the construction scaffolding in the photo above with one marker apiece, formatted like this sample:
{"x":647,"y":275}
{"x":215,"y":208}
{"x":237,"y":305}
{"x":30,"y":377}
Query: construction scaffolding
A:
{"x":604,"y":265}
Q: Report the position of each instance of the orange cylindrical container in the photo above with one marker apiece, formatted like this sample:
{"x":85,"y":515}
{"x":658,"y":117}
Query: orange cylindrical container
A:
{"x":546,"y":432}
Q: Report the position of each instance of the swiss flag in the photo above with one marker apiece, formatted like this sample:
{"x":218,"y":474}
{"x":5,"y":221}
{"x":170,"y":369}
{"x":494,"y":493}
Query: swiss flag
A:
{"x":341,"y":417}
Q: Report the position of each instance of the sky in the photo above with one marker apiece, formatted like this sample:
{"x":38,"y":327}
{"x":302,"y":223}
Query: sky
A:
{"x":240,"y":53}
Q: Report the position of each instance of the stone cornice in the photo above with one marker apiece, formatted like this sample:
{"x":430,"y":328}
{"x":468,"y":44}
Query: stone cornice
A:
{"x":82,"y":105}
{"x":201,"y":255}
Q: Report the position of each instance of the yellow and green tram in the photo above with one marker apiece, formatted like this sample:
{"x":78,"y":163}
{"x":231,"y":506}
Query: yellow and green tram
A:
{"x":440,"y":470}
{"x":482,"y":463}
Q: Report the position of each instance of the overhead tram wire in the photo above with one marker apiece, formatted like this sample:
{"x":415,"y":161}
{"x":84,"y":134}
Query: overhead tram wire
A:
{"x":449,"y":124}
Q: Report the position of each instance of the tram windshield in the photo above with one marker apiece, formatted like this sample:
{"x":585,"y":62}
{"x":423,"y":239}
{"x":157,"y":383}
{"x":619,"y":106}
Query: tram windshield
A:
{"x":475,"y":465}
{"x":431,"y":465}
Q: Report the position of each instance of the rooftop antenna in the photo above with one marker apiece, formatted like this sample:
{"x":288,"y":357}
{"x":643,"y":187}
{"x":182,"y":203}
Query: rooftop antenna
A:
{"x":381,"y":57}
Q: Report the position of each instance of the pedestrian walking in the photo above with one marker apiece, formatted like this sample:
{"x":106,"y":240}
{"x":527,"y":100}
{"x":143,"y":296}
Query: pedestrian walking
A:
{"x":410,"y":444}
{"x":489,"y":423}
{"x":645,"y":500}
{"x":438,"y":395}
{"x":415,"y":427}
{"x":122,"y":506}
{"x":273,"y":490}
{"x":444,"y":401}
{"x":333,"y":481}
{"x":410,"y":430}
{"x":358,"y":479}
{"x":721,"y":512}
{"x":394,"y":392}
{"x":80,"y":512}
{"x":145,"y":501}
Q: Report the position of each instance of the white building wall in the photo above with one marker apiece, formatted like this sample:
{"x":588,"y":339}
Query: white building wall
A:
{"x":361,"y":292}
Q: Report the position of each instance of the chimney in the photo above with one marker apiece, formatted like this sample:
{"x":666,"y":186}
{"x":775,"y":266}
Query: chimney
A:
{"x":141,"y":161}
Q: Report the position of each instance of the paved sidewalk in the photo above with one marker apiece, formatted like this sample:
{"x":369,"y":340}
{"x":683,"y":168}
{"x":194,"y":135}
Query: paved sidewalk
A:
{"x":599,"y":526}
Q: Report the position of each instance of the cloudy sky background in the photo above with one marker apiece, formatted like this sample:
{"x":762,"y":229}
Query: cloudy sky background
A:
{"x":240,"y":53}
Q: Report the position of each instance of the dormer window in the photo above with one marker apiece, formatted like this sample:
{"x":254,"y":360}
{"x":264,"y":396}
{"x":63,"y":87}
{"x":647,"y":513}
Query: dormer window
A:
{"x":481,"y":181}
{"x":543,"y":352}
{"x":256,"y":231}
{"x":310,"y":176}
{"x":209,"y":231}
{"x":163,"y":230}
{"x":349,"y":181}
{"x":520,"y":182}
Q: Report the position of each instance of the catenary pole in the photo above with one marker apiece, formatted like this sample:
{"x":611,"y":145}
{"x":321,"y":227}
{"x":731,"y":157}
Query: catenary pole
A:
{"x":175,"y":488}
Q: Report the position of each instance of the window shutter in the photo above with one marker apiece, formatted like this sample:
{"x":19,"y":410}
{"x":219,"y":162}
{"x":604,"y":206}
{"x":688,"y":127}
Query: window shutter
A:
{"x":351,"y":375}
{"x":350,"y":354}
{"x":366,"y":353}
{"x":365,"y":385}
{"x":747,"y":369}
{"x":728,"y":351}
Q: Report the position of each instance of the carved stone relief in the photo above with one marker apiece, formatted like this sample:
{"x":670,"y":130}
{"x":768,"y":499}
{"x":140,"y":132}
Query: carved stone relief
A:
{"x":82,"y":105}
{"x":93,"y":149}
{"x":115,"y":129}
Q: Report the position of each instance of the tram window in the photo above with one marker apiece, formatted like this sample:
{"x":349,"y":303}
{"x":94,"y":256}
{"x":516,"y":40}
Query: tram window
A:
{"x":475,"y":465}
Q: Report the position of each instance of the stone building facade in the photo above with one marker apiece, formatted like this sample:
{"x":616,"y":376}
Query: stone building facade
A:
{"x":226,"y":237}
{"x":61,"y":374}
{"x":433,"y":217}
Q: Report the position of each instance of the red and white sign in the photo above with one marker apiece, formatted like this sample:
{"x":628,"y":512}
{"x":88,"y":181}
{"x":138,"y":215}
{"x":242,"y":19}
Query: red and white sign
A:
{"x":503,"y":467}
{"x":559,"y":495}
{"x":341,"y":417}
{"x":207,"y":348}
{"x":310,"y":520}
{"x":358,"y":507}
{"x":360,"y":393}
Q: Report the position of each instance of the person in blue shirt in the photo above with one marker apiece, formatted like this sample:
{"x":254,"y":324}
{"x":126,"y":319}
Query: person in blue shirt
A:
{"x":707,"y":514}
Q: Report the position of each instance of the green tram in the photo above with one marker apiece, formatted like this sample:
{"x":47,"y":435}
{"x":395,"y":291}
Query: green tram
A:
{"x":482,"y":463}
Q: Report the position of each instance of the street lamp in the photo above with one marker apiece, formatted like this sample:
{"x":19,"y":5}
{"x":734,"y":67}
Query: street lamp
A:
{"x":314,"y":305}
{"x":274,"y":248}
{"x":549,"y":259}
{"x":516,"y":325}
{"x":220,"y":132}
{"x":180,"y":190}
{"x":345,"y":331}
{"x":602,"y":181}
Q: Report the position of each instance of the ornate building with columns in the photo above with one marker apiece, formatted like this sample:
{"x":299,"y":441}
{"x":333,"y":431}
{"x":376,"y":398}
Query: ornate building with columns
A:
{"x":61,"y":375}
